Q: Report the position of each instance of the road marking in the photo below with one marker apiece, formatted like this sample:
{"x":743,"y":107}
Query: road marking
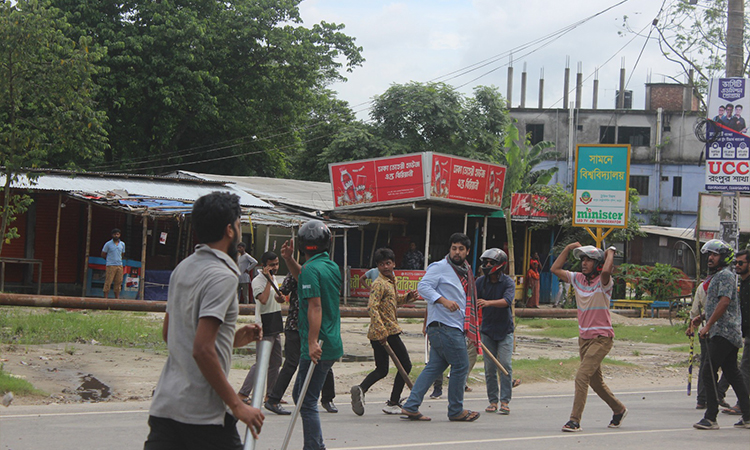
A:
{"x":87,"y":413}
{"x":514,"y":439}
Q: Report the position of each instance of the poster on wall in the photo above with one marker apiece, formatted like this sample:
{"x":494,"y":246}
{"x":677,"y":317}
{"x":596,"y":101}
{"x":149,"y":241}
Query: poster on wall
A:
{"x":728,"y":145}
{"x":467,"y":181}
{"x":380,"y":180}
{"x":406,"y":280}
{"x":602,"y":179}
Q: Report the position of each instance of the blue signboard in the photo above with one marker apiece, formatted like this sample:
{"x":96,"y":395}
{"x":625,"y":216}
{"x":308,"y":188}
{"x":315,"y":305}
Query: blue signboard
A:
{"x":601,"y":186}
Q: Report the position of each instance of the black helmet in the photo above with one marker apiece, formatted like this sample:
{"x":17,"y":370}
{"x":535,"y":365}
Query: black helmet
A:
{"x":314,"y":237}
{"x":724,"y":250}
{"x":493,"y":254}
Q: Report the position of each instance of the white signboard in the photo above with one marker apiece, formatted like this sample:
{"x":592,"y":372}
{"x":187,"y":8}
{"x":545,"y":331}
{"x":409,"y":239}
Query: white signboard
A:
{"x":728,"y":146}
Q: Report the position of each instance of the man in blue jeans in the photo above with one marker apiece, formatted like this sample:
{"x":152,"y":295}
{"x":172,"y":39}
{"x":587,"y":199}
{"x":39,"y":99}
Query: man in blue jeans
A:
{"x":495,"y":292}
{"x":319,"y":320}
{"x":446,"y":286}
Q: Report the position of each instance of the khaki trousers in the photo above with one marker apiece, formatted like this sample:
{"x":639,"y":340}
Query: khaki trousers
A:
{"x":113,"y":274}
{"x":589,"y":373}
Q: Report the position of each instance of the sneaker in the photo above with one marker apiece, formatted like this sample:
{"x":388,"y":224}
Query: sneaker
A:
{"x":617,"y":419}
{"x":572,"y":426}
{"x":436,"y":393}
{"x":358,"y":400}
{"x":742,"y":424}
{"x":391,"y":408}
{"x":705,"y":424}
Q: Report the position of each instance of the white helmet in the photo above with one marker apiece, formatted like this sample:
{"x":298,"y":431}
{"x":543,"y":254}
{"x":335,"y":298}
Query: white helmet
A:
{"x":589,"y":251}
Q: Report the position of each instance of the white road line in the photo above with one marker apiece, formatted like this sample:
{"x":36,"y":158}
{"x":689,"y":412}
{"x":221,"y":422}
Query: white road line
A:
{"x":87,"y":413}
{"x":560,"y":435}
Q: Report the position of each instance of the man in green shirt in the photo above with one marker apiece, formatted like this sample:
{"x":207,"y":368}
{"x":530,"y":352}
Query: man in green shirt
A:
{"x":319,"y":283}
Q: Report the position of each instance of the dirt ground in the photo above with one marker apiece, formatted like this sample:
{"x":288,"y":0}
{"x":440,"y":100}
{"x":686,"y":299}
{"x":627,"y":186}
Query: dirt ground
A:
{"x":131,"y":374}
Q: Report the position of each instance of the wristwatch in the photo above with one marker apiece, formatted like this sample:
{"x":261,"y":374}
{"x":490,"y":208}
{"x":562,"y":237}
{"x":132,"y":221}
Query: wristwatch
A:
{"x":613,"y":248}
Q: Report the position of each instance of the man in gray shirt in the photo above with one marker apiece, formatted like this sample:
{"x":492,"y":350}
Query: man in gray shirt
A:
{"x":246,"y":263}
{"x":189,"y":409}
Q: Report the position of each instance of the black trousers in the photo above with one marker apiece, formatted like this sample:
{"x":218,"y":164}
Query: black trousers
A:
{"x":381,"y":366}
{"x":168,"y":434}
{"x":292,"y":346}
{"x":721,"y":353}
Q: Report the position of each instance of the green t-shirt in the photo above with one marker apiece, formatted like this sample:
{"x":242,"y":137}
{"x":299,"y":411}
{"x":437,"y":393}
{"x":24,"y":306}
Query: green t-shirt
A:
{"x":320,"y":277}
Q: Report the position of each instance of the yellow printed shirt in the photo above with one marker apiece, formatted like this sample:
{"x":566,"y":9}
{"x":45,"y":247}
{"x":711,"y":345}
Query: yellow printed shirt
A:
{"x":382,"y":305}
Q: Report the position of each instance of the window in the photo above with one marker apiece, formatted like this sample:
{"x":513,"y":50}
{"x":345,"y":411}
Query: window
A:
{"x":639,"y":183}
{"x":635,"y":136}
{"x":535,"y":131}
{"x":676,"y":186}
{"x":606,"y":135}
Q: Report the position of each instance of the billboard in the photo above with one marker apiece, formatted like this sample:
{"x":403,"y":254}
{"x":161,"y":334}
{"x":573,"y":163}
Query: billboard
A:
{"x":524,"y":207}
{"x":379,"y":180}
{"x":602,"y":179}
{"x":727,"y":146}
{"x":406,"y":280}
{"x":416,"y":176}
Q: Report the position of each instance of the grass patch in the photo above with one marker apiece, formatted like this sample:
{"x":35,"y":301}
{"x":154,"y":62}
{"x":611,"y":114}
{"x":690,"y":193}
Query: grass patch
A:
{"x":683,"y":349}
{"x":32,"y":326}
{"x":568,"y":329}
{"x":240,"y":365}
{"x":19,"y":386}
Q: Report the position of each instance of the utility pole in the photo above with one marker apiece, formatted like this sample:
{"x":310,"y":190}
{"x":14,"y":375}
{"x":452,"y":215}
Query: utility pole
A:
{"x":735,"y":23}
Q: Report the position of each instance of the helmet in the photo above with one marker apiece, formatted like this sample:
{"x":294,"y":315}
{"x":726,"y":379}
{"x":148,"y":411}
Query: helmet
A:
{"x":592,"y":252}
{"x":721,"y":248}
{"x":314,"y":237}
{"x":494,"y":254}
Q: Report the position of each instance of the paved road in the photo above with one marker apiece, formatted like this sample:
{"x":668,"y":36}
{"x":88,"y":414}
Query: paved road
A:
{"x":657,"y":419}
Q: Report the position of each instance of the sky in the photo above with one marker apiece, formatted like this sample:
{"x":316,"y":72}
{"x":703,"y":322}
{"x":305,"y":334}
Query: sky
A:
{"x":420,"y":40}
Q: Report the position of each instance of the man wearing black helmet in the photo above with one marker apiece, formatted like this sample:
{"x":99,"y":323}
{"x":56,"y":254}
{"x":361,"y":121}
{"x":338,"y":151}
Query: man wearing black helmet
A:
{"x":722,"y":329}
{"x":593,"y":290}
{"x":319,"y":319}
{"x":495,"y":294}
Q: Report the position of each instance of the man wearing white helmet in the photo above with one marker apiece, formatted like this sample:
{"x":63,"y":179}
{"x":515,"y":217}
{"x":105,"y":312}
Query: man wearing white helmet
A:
{"x":722,"y":329}
{"x":593,"y":289}
{"x":495,"y":294}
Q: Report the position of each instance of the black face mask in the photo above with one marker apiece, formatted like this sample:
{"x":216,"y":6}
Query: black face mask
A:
{"x":486,"y":270}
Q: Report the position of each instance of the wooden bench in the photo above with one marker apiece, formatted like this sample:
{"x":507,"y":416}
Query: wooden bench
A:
{"x":642,"y":305}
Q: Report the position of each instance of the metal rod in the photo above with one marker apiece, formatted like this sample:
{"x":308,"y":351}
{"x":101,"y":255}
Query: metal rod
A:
{"x":494,"y":360}
{"x":262,"y":361}
{"x":300,"y":400}
{"x":398,"y":364}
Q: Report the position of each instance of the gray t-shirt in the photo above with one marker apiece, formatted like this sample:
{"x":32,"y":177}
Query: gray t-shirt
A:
{"x":246,"y":263}
{"x":202,"y":285}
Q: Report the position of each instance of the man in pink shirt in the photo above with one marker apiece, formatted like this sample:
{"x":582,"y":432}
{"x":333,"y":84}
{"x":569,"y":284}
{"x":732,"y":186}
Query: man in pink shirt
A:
{"x":593,"y":288}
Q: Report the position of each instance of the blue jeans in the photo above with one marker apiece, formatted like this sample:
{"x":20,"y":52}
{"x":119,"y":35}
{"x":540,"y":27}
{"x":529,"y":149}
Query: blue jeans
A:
{"x":502,"y":350}
{"x":313,"y":434}
{"x":447,"y":348}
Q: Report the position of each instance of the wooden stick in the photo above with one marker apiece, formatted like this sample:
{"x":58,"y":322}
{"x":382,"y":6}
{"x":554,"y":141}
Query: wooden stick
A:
{"x":494,"y":360}
{"x":400,"y":368}
{"x":273,"y":284}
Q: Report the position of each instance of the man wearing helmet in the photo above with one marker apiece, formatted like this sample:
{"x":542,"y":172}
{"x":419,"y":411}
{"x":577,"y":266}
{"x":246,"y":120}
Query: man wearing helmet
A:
{"x":722,"y":329}
{"x":319,"y":281}
{"x":593,"y":290}
{"x":495,"y":294}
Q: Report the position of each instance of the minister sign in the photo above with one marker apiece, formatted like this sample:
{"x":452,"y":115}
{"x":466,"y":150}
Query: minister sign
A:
{"x":601,"y":189}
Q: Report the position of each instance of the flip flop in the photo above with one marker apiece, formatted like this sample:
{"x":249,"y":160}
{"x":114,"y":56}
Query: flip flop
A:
{"x":417,"y":416}
{"x":467,"y":416}
{"x":516,"y":382}
{"x":492,"y":408}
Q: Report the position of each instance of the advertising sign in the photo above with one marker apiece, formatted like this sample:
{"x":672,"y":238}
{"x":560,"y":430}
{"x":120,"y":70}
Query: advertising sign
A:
{"x":601,"y":186}
{"x":727,"y":146}
{"x":377,"y":180}
{"x":406,"y":280}
{"x":467,"y":181}
{"x":524,"y":207}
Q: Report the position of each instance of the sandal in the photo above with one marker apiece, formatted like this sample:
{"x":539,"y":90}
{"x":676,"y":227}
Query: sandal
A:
{"x":504,"y":409}
{"x":516,"y":382}
{"x":467,"y":416}
{"x":416,"y":416}
{"x":492,"y":408}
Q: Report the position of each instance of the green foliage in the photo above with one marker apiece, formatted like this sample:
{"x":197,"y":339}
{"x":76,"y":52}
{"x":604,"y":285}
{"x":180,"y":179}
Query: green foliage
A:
{"x":17,"y":204}
{"x":659,"y":281}
{"x":19,"y":386}
{"x":568,"y":329}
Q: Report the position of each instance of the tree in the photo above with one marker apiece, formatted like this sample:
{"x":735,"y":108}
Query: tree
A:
{"x":520,"y":176}
{"x":217,"y":86}
{"x":47,"y":111}
{"x":693,"y":36}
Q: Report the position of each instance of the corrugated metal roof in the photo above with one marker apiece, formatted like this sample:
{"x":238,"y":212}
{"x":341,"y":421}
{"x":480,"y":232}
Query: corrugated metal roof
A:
{"x":102,"y":184}
{"x":286,"y":218}
{"x":673,"y":232}
{"x":309,"y":195}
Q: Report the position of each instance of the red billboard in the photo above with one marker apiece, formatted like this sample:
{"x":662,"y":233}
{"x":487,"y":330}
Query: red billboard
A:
{"x":525,"y":207}
{"x":406,"y":280}
{"x":466,"y":180}
{"x":377,"y":180}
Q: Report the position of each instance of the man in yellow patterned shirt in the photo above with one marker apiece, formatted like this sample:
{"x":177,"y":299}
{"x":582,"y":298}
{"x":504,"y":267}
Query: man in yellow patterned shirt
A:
{"x":384,"y":300}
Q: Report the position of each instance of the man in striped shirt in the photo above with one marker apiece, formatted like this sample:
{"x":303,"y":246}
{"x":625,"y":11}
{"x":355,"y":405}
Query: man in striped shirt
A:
{"x":593,"y":289}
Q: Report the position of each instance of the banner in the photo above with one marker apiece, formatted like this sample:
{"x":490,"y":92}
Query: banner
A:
{"x":727,"y":146}
{"x":406,"y":280}
{"x":524,"y":207}
{"x":466,"y":180}
{"x":602,"y":178}
{"x":379,"y":180}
